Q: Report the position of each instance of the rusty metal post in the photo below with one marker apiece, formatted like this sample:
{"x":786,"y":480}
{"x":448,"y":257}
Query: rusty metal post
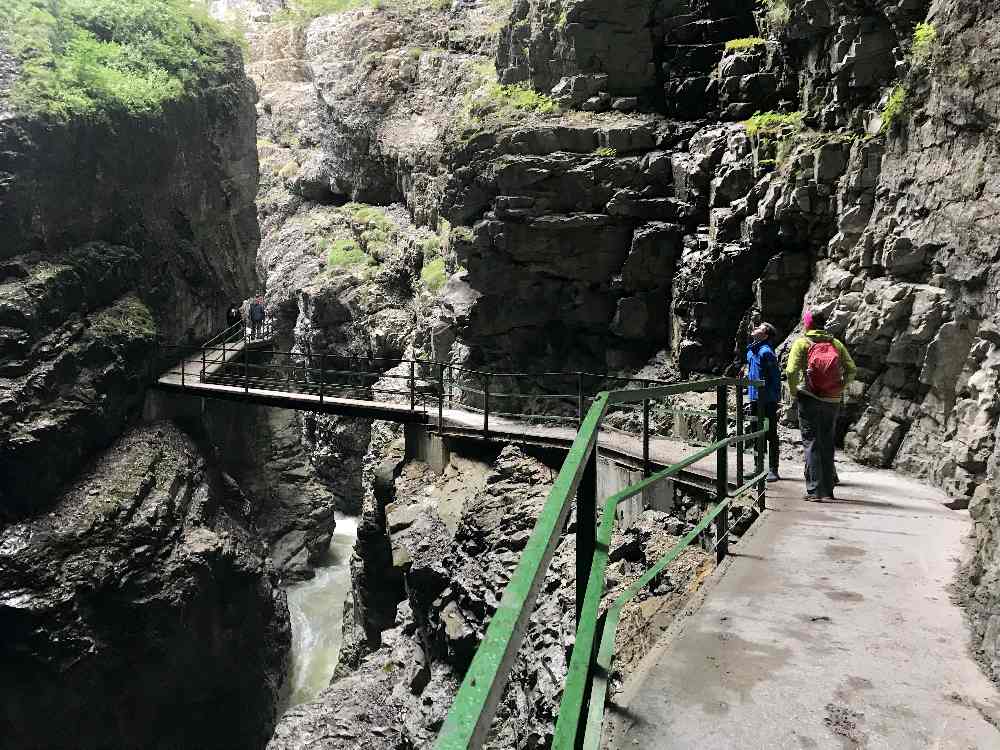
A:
{"x":722,"y":470}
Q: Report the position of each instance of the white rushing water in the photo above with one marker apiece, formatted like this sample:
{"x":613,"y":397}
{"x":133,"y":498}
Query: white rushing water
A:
{"x":317,"y":610}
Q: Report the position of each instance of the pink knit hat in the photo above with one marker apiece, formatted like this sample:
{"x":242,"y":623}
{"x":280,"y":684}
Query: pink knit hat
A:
{"x":807,"y":320}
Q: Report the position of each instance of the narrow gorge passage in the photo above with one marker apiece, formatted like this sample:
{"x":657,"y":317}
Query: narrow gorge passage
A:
{"x":316,"y":607}
{"x":624,"y":189}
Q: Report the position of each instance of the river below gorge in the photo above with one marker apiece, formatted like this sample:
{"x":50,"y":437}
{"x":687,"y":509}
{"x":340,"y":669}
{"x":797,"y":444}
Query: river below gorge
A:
{"x":317,"y":612}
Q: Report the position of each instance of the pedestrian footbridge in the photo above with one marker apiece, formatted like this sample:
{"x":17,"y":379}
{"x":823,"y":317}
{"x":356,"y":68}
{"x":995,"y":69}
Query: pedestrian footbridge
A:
{"x":830,"y":625}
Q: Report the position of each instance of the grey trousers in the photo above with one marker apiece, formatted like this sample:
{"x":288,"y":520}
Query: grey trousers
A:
{"x":818,"y":422}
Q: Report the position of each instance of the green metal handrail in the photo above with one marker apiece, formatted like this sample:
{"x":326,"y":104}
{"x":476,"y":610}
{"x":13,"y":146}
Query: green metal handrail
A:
{"x":472,"y":712}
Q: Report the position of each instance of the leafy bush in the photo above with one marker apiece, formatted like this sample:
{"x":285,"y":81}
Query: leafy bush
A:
{"x":93,"y":57}
{"x":925,"y":42}
{"x":606,"y":151}
{"x":746,"y":43}
{"x":773,"y":122}
{"x":433,"y":275}
{"x":895,"y":105}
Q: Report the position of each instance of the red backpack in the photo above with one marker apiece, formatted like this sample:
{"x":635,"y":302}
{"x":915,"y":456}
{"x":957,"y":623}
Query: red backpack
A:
{"x":824,"y":372}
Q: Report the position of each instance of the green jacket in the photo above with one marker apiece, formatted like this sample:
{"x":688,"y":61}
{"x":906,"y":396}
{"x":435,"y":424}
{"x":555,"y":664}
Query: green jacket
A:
{"x":799,"y":355}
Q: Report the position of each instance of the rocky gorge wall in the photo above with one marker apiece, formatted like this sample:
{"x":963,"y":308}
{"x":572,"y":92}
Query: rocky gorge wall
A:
{"x":591,"y":180}
{"x":138,"y":603}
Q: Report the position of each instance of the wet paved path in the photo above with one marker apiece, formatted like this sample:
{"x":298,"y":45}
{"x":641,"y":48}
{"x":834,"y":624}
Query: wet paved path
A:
{"x":831,"y":627}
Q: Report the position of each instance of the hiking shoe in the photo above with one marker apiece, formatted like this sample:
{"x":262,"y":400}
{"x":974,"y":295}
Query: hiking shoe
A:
{"x":772,"y":476}
{"x":810,"y":498}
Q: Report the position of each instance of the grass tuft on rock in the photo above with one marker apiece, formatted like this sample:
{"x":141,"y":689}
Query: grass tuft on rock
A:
{"x":433,"y":276}
{"x":895,"y":105}
{"x":90,"y":58}
{"x":127,"y":318}
{"x":925,"y":43}
{"x":501,"y":104}
{"x":773,"y":122}
{"x":745,"y":43}
{"x":345,"y":255}
{"x":304,"y":11}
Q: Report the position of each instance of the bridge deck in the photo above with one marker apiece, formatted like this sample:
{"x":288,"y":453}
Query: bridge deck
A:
{"x":456,"y":422}
{"x":832,"y":626}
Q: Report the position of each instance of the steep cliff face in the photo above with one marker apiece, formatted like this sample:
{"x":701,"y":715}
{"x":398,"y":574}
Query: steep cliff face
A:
{"x":172,"y":225}
{"x":136,"y":600}
{"x":602,"y":194}
{"x":139,"y":612}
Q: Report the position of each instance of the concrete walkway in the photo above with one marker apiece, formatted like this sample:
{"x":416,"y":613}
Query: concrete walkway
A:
{"x":831,"y":627}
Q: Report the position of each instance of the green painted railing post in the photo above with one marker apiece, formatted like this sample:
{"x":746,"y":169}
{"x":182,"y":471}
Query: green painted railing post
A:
{"x":440,"y":398}
{"x":739,"y":432}
{"x":722,"y":470}
{"x":645,"y":434}
{"x":586,"y":528}
{"x":760,"y":450}
{"x":413,"y":386}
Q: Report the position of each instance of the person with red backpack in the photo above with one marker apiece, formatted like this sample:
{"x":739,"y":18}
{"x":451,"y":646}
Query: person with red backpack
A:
{"x":819,"y":371}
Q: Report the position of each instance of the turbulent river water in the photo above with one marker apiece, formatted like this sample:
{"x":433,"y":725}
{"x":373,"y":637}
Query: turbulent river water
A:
{"x":317,"y":611}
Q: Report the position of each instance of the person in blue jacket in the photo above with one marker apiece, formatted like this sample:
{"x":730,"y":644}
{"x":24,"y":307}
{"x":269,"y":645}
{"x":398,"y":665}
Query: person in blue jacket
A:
{"x":762,"y":364}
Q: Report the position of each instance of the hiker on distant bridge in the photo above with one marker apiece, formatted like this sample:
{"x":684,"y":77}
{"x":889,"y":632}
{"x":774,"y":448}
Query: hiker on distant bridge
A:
{"x":234,"y":315}
{"x":762,"y":364}
{"x":257,"y":318}
{"x":819,"y":371}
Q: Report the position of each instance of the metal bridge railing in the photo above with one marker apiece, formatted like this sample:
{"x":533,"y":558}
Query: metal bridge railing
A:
{"x":472,"y":712}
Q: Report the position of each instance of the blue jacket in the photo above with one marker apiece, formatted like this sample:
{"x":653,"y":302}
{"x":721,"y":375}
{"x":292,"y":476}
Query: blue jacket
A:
{"x":762,"y":364}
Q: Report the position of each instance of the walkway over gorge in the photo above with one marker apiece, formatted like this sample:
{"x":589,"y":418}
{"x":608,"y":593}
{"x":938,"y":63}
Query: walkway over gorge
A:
{"x":829,"y":625}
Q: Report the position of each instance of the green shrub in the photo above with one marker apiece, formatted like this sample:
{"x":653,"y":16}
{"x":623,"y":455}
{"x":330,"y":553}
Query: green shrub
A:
{"x":773,"y":123}
{"x":606,"y":151}
{"x":94,"y":57}
{"x":745,"y":43}
{"x":433,"y":275}
{"x":925,"y":42}
{"x":895,"y":105}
